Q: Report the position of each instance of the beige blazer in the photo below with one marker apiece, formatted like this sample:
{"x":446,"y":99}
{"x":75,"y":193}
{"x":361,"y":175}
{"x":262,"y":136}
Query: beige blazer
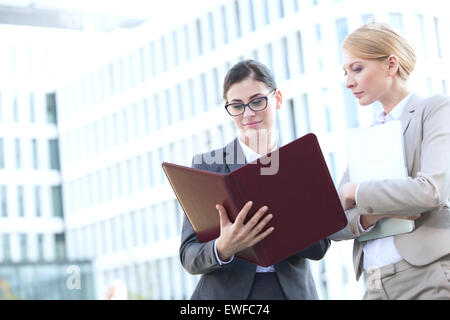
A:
{"x":426,"y":133}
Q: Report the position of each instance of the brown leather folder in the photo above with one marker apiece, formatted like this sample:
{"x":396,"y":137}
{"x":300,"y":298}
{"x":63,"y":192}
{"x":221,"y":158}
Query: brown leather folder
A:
{"x":301,"y":196}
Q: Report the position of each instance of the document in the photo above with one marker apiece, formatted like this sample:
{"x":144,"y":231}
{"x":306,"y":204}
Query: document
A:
{"x":301,"y":197}
{"x":377,"y":153}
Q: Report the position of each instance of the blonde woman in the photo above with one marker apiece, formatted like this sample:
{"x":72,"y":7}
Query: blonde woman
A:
{"x":377,"y":63}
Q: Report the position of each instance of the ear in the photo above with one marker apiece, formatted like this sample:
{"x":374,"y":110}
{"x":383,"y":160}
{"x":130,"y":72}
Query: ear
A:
{"x":279,"y":98}
{"x":392,"y":65}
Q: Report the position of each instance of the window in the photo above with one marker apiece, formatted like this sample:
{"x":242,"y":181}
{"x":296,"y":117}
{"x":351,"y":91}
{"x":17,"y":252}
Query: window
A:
{"x":18,"y":153}
{"x":51,"y":108}
{"x":60,"y":246}
{"x":438,"y":38}
{"x":54,"y":154}
{"x":342,"y":31}
{"x":34,"y":153}
{"x":15,"y":110}
{"x":112,"y":87}
{"x":238,"y":19}
{"x":2,"y":157}
{"x":23,"y":247}
{"x":396,"y":19}
{"x":37,"y":200}
{"x":223,"y":14}
{"x":176,"y":50}
{"x":350,"y":107}
{"x":284,"y":45}
{"x":3,"y":201}
{"x":212,"y":37}
{"x":301,"y":63}
{"x":187,"y":42}
{"x":198,"y":28}
{"x":252,"y":15}
{"x":165,"y":64}
{"x":57,"y":201}
{"x":292,"y":117}
{"x":6,"y":247}
{"x":40,"y":246}
{"x":32,"y":108}
{"x":281,"y":4}
{"x":266,"y":12}
{"x":20,"y":202}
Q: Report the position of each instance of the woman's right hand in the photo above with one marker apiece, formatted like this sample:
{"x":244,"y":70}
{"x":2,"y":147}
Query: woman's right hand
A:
{"x":367,"y":220}
{"x":237,"y":236}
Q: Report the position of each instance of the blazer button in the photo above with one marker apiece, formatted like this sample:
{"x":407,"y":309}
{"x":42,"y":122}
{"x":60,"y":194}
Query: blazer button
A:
{"x":369,"y":210}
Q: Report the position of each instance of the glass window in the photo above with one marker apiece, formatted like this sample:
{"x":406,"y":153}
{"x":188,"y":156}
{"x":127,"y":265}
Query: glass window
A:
{"x":212,"y":37}
{"x":37,"y":200}
{"x":223,"y":14}
{"x":187,"y":42}
{"x":301,"y":63}
{"x":157,"y":110}
{"x":20,"y":201}
{"x":121,"y":74}
{"x":51,"y":108}
{"x":40,"y":246}
{"x":18,"y":154}
{"x":6,"y":247}
{"x":342,"y":31}
{"x":1,"y":114}
{"x":32,"y":108}
{"x":292,"y":117}
{"x":60,"y":246}
{"x":284,"y":46}
{"x":142,"y":64}
{"x":198,"y":27}
{"x":23,"y":247}
{"x":237,"y":19}
{"x":351,"y":111}
{"x":266,"y":12}
{"x":180,"y":102}
{"x":281,"y":8}
{"x":168,"y":107}
{"x":2,"y":156}
{"x":34,"y":153}
{"x":3,"y":201}
{"x":57,"y":201}
{"x":438,"y":38}
{"x":175,"y":48}
{"x":15,"y":110}
{"x":54,"y":154}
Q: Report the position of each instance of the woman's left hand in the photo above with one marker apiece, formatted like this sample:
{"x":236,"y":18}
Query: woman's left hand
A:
{"x":347,"y":195}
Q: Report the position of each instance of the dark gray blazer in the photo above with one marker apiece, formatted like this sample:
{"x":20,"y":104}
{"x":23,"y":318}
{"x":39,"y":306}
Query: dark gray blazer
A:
{"x":234,"y":280}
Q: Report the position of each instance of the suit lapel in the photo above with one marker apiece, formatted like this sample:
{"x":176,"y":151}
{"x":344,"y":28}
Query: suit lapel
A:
{"x":405,"y":118}
{"x":233,"y":155}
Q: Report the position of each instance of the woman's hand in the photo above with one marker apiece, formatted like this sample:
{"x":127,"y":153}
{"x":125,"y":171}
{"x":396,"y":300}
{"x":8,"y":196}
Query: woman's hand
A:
{"x":237,"y":236}
{"x":348,"y":195}
{"x":367,"y":220}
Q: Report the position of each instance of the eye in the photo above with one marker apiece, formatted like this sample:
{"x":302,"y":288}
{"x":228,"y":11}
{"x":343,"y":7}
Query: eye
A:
{"x":357,"y":69}
{"x":257,"y":102}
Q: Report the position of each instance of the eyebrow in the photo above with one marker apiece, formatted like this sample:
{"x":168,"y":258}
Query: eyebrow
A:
{"x":250,"y":98}
{"x":351,"y":64}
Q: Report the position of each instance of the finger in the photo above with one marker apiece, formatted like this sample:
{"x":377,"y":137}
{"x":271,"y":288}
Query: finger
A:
{"x":256,"y":217}
{"x":260,"y":236}
{"x":243,"y":213}
{"x":257,"y":229}
{"x":224,"y":221}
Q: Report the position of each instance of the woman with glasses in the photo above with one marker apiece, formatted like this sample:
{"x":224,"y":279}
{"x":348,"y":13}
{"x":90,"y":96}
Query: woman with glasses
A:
{"x":252,"y":101}
{"x":377,"y":63}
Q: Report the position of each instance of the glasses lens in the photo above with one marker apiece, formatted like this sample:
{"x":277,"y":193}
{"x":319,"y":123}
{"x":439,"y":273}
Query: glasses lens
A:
{"x":258,"y":103}
{"x":235,"y":109}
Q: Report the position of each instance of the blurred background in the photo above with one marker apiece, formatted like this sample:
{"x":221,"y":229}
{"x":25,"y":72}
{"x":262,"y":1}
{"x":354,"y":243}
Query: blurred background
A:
{"x":94,"y":95}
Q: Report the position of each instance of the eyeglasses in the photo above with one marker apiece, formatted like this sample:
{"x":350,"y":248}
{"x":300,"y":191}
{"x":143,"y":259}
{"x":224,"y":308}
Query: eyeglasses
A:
{"x":257,"y":104}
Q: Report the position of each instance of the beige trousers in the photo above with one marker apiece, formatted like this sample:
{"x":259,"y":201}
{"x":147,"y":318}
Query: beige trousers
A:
{"x":403,"y":281}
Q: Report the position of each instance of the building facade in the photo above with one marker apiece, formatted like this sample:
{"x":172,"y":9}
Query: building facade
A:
{"x":139,"y":97}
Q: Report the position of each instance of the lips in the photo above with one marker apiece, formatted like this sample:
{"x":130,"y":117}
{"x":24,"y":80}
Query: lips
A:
{"x":358,"y":94}
{"x":252,"y":124}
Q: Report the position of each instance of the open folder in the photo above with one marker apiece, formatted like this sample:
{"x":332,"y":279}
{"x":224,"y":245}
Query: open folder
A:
{"x":301,"y":196}
{"x":377,"y":153}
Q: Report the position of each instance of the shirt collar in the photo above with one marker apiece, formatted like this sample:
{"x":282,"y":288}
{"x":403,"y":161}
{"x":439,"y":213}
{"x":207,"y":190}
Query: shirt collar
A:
{"x":251,"y":155}
{"x":395,"y":113}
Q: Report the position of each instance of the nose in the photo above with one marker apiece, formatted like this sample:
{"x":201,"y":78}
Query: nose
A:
{"x":248,"y":112}
{"x":349,"y":82}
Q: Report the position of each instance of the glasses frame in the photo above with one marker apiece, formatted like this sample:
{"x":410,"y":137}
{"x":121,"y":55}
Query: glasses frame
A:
{"x":248,"y":104}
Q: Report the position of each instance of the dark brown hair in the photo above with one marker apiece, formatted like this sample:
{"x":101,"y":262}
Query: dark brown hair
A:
{"x":248,"y":69}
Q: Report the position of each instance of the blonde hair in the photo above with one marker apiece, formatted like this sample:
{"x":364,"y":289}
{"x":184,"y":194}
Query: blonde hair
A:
{"x":378,"y":41}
